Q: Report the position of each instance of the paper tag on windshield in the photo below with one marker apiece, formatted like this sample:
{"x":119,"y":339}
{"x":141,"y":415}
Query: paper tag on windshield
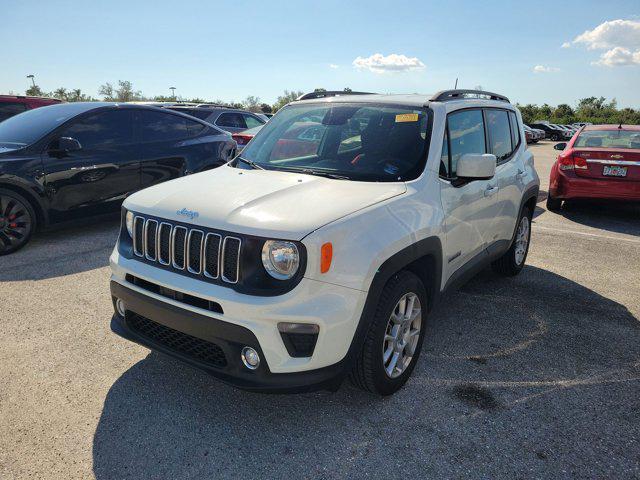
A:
{"x":406,"y":117}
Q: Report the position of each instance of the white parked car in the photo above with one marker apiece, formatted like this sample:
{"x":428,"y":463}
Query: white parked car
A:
{"x":319,"y":253}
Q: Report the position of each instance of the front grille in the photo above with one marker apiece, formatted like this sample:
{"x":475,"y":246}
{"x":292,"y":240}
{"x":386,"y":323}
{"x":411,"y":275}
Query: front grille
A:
{"x":194,"y":251}
{"x":150,"y":231}
{"x":230,"y":259}
{"x":212,"y":245}
{"x":164,"y":243}
{"x":192,"y":347}
{"x":178,"y":246}
{"x":138,"y":236}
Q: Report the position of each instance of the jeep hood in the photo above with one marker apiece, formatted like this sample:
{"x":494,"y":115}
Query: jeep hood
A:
{"x":259,"y":202}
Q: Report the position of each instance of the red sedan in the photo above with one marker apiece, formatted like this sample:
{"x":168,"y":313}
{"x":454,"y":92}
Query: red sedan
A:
{"x":11,"y":105}
{"x":600,"y":161}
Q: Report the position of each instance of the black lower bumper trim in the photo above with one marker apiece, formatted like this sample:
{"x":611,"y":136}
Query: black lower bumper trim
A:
{"x":229,"y":337}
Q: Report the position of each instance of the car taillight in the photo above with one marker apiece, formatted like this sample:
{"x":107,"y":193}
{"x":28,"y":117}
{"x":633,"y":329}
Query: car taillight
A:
{"x":242,"y":139}
{"x":580,"y":163}
{"x":570,"y":162}
{"x":565,"y":162}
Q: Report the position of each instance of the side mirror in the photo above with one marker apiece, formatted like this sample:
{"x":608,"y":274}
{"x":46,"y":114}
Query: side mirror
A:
{"x":64,"y":145}
{"x":476,"y":166}
{"x":560,"y":146}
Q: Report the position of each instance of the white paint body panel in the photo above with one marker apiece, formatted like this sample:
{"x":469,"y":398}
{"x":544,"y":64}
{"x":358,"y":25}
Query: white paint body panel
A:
{"x":260,"y":202}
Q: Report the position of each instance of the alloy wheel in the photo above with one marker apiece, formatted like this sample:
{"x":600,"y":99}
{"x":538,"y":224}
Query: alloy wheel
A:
{"x":15,"y":223}
{"x":401,"y":335}
{"x":522,"y":240}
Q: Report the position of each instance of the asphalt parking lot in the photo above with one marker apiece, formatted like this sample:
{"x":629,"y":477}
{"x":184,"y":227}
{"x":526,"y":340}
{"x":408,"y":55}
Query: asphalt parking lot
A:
{"x":536,"y":376}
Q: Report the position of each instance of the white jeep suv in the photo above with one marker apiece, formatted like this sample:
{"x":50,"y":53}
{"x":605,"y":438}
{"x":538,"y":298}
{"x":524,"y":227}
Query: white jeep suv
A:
{"x":318,"y":253}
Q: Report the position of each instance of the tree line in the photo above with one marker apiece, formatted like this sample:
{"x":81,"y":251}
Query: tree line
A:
{"x":123,"y":91}
{"x":591,"y":109}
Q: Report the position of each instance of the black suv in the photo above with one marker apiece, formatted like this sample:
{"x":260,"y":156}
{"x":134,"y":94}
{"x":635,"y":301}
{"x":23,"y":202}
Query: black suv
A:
{"x":73,"y":160}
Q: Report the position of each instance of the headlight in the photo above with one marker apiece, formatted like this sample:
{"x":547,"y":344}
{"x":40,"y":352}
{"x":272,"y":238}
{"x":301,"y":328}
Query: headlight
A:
{"x":280,"y":259}
{"x":129,"y":222}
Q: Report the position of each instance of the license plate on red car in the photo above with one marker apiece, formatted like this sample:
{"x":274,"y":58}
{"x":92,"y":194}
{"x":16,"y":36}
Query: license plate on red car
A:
{"x":614,"y":171}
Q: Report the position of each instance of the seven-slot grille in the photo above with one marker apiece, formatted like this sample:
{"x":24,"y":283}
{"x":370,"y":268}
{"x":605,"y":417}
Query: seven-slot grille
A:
{"x":191,"y":250}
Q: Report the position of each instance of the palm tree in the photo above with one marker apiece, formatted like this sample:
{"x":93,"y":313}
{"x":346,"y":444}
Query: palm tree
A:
{"x":60,"y":93}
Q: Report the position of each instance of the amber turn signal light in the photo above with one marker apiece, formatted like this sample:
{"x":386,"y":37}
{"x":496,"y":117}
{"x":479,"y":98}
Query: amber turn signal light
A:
{"x":326,"y":254}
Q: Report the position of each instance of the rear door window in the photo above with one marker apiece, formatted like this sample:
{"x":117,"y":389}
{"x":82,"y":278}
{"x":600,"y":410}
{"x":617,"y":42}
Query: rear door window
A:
{"x":232,"y":120}
{"x":194,"y":112}
{"x":110,"y":128}
{"x":9,"y":109}
{"x":444,"y":156}
{"x":515,"y":130}
{"x":466,"y":135}
{"x":194,"y":128}
{"x":252,"y":121}
{"x":499,"y":133}
{"x":160,"y":126}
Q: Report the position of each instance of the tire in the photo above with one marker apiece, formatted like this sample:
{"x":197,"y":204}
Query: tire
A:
{"x":554,"y":137}
{"x":371,"y":366}
{"x":513,"y":261}
{"x":553,"y":204}
{"x":17,"y":221}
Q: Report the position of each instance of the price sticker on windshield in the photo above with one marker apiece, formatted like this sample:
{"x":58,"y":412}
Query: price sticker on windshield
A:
{"x":406,"y":117}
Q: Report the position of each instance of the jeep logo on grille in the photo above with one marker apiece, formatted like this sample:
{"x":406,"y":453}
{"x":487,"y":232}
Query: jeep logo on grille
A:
{"x":188,"y":213}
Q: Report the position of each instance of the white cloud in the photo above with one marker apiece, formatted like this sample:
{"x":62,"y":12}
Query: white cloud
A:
{"x":378,"y":63}
{"x":334,"y":66}
{"x":545,"y":69}
{"x":620,"y":39}
{"x":619,"y":56}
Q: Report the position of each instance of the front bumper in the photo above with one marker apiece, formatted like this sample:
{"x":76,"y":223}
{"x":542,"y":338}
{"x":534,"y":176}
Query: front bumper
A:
{"x":228,"y":337}
{"x":568,"y":186}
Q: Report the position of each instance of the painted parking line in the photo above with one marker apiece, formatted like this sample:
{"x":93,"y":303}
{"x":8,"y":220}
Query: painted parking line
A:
{"x":586,"y":234}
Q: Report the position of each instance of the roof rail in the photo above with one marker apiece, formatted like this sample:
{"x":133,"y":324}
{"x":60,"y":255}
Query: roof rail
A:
{"x":445,"y":95}
{"x":212,"y":105}
{"x":330,"y":93}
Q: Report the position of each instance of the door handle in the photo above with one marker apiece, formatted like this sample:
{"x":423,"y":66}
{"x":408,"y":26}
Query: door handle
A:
{"x":490,"y":191}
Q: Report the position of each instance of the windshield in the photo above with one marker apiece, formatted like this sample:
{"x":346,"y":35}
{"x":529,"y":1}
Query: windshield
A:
{"x":609,"y":138}
{"x":32,"y":125}
{"x":358,"y":141}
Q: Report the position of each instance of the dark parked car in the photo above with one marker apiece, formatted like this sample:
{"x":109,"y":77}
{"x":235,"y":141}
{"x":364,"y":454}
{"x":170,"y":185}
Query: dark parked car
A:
{"x":552,"y":131}
{"x":11,"y":105}
{"x":75,"y":160}
{"x":229,"y":119}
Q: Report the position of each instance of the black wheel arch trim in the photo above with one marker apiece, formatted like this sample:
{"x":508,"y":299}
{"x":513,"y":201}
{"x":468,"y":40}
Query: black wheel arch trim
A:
{"x":408,"y":258}
{"x":530,"y":193}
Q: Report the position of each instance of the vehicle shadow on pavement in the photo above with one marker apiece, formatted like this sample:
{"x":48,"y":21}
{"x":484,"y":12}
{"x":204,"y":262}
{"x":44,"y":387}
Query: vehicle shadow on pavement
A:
{"x":62,"y":252}
{"x":618,"y":217}
{"x":517,"y":375}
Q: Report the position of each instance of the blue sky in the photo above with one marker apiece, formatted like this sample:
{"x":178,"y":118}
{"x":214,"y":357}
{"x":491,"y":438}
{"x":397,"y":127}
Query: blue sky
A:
{"x":231,"y":49}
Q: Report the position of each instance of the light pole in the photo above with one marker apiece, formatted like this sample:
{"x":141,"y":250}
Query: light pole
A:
{"x":32,"y":79}
{"x":173,"y":92}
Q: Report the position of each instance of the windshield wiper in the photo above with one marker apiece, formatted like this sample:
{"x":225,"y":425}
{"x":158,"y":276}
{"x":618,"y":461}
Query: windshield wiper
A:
{"x":253,"y":165}
{"x":311,"y":171}
{"x":325,"y":174}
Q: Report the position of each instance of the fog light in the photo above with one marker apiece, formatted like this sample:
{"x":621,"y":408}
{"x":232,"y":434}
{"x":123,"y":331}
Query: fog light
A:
{"x":120,"y":308}
{"x":250,"y":358}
